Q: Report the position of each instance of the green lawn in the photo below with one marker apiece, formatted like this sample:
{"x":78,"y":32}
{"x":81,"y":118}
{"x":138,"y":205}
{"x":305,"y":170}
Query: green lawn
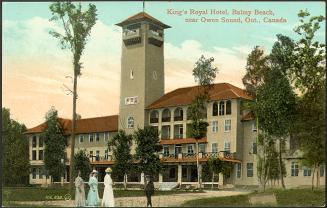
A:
{"x":44,"y":194}
{"x":289,"y":197}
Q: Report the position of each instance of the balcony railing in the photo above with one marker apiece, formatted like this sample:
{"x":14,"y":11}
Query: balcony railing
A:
{"x":178,"y":118}
{"x":221,"y":154}
{"x":165,"y":119}
{"x":100,"y":158}
{"x":154,"y":120}
{"x":128,"y":34}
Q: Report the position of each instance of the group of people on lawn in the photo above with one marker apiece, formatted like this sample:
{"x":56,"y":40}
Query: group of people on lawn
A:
{"x":108,"y":196}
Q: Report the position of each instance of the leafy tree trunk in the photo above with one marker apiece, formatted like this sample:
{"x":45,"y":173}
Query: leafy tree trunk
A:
{"x":197,"y":163}
{"x":71,"y":168}
{"x":318,"y":176}
{"x":213,"y":177}
{"x":281,"y":164}
{"x":313,"y":177}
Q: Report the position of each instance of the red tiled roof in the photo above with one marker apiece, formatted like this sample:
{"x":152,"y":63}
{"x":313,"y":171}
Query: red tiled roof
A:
{"x":86,"y":125}
{"x":248,"y":117}
{"x":142,"y":16}
{"x":184,"y":96}
{"x":182,"y":141}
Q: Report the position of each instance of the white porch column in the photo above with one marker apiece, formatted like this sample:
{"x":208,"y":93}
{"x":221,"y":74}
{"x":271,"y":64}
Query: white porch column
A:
{"x":142,"y":178}
{"x":160,"y":177}
{"x":200,"y":173}
{"x":62,"y":180}
{"x":179,"y":178}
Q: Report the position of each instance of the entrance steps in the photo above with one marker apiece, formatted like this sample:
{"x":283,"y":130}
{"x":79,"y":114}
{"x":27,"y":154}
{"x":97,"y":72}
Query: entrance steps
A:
{"x":167,"y":186}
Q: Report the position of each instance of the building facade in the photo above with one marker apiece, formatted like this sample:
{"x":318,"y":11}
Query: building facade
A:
{"x":231,"y":134}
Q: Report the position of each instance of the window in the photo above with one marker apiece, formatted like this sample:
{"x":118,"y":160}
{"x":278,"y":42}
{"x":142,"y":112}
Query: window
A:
{"x":97,"y":137}
{"x":184,"y":172}
{"x":34,"y":141}
{"x":165,"y":132}
{"x":249,"y":168}
{"x":91,"y":137}
{"x":41,"y":155}
{"x":214,"y":147}
{"x":294,"y":169}
{"x":215,"y":126}
{"x":41,"y":141}
{"x":190,"y":149}
{"x":40,"y":173}
{"x":178,"y":149}
{"x":154,"y":75}
{"x":227,"y":146}
{"x":178,"y":131}
{"x":322,"y":170}
{"x":154,"y":117}
{"x":130,"y":122}
{"x":106,"y":154}
{"x":106,"y":136}
{"x":166,"y":150}
{"x":227,"y":125}
{"x":202,"y":148}
{"x":306,"y":171}
{"x":228,"y":107}
{"x":214,"y":109}
{"x":238,"y":170}
{"x":178,"y":114}
{"x":254,"y":148}
{"x":221,"y":108}
{"x":131,"y":75}
{"x":165,"y":115}
{"x":34,"y":173}
{"x":97,"y":155}
{"x":34,"y":155}
{"x":172,"y":173}
{"x":254,"y":126}
{"x":81,"y":138}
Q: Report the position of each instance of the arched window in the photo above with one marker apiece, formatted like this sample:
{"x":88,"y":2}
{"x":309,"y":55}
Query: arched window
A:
{"x":222,"y":108}
{"x":154,"y":117}
{"x":188,"y":114}
{"x":228,"y":107}
{"x":165,"y":115}
{"x":178,"y":114}
{"x":131,"y":74}
{"x":130,"y":122}
{"x":215,"y":109}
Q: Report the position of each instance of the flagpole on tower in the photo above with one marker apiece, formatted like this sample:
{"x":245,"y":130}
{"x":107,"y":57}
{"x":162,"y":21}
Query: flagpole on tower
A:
{"x":143,"y":5}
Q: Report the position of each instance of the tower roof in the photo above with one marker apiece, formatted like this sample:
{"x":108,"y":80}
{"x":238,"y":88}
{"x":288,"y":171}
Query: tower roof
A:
{"x":142,"y":16}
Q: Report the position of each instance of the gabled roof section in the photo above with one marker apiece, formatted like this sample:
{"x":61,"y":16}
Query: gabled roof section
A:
{"x":184,"y":96}
{"x":86,"y":125}
{"x":142,"y":16}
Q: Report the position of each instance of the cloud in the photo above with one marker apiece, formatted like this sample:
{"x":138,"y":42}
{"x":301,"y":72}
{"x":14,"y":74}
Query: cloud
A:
{"x":34,"y":69}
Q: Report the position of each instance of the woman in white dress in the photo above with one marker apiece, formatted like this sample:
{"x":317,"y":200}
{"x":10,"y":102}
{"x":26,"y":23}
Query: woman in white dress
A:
{"x":108,"y":195}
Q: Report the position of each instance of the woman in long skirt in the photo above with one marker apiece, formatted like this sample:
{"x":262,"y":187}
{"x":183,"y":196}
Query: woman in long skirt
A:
{"x":108,"y":195}
{"x":79,"y":192}
{"x":93,"y":196}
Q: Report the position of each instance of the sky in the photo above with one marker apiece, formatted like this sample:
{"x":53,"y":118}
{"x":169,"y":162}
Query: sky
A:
{"x":35,"y":68}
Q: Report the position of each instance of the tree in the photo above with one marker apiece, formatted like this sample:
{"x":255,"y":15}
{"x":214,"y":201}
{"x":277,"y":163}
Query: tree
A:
{"x":55,"y":145}
{"x":217,"y":166}
{"x":82,"y":163}
{"x":204,"y":74}
{"x":77,"y":26}
{"x":147,"y":141}
{"x":15,"y":151}
{"x":121,"y":144}
{"x":308,"y":75}
{"x":256,"y":67}
{"x":275,"y":108}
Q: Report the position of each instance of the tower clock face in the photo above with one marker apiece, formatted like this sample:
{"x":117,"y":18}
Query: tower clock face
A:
{"x":154,"y":75}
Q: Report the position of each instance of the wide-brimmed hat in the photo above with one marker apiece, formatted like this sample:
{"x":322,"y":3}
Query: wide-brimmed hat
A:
{"x":94,"y":171}
{"x":108,"y":170}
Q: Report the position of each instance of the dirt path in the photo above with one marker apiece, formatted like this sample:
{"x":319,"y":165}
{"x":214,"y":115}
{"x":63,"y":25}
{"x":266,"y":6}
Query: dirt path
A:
{"x":157,"y":201}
